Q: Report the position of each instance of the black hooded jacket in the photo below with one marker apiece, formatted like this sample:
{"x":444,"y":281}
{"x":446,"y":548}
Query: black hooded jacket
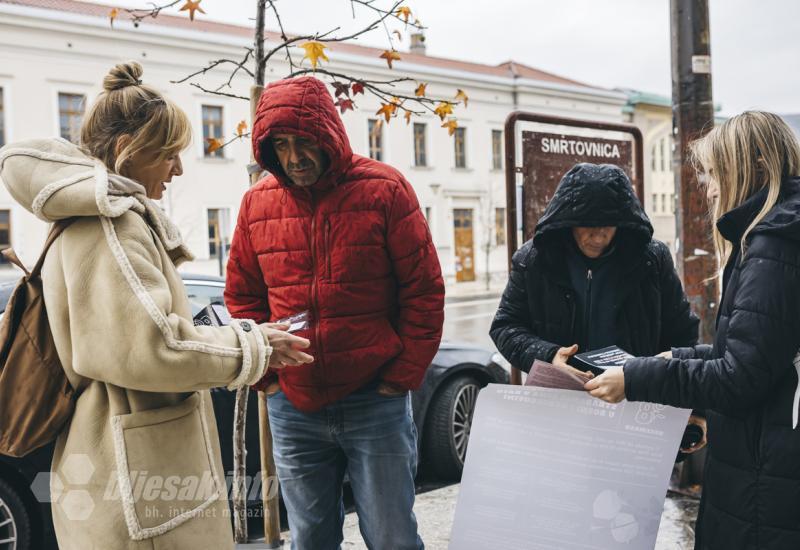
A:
{"x":748,"y":384}
{"x":642,"y":307}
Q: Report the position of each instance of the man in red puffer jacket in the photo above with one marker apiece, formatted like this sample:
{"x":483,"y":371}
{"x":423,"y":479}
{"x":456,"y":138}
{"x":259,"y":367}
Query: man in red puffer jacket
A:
{"x":342,"y":237}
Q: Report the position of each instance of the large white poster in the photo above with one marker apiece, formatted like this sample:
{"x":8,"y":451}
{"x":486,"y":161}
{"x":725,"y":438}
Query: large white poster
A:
{"x":559,"y":469}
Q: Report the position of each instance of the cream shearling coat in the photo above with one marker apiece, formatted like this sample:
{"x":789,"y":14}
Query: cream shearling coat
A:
{"x":139,"y":465}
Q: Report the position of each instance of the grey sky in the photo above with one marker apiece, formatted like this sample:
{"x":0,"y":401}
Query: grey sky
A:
{"x":611,"y":43}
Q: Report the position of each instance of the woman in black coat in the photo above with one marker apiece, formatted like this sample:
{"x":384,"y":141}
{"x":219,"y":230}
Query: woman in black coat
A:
{"x":748,"y":381}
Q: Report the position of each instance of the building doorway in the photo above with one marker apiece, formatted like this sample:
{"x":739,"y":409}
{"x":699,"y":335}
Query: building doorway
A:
{"x":464,"y":244}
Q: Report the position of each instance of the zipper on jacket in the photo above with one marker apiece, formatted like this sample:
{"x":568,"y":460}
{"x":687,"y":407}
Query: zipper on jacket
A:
{"x":328,"y":249}
{"x":315,"y":298}
{"x":587,"y":314}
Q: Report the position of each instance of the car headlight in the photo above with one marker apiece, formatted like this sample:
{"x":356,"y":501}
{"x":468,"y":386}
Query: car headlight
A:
{"x":501,"y":361}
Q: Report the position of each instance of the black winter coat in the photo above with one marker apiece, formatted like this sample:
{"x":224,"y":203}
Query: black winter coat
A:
{"x":748,"y":382}
{"x":537,"y":313}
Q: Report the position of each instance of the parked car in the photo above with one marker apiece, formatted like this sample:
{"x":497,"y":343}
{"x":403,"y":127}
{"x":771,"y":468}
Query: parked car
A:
{"x":442,"y":408}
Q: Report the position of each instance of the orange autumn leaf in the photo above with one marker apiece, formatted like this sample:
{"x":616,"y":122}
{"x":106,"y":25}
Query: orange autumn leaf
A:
{"x":420,"y":91}
{"x":241,"y":128}
{"x":314,"y":52}
{"x":113,"y":15}
{"x":451,"y":126}
{"x":387,"y":110}
{"x":390,"y":56}
{"x":213,"y":144}
{"x":408,"y":117}
{"x":404,"y":12}
{"x":461,"y":96}
{"x":443,"y":109}
{"x":192,"y":6}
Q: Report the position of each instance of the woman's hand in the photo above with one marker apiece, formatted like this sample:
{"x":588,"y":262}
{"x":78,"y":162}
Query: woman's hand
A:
{"x":609,"y":386}
{"x":665,"y":354}
{"x":285,"y":347}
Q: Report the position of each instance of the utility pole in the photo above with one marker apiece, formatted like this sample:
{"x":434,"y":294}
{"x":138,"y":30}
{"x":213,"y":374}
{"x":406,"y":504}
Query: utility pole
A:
{"x":692,"y":117}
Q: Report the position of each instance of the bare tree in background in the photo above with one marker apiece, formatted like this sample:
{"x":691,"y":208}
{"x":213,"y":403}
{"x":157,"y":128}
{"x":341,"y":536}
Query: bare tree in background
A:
{"x":346,"y":89}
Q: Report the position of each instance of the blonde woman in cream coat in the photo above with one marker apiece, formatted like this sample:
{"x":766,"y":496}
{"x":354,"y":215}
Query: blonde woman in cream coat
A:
{"x":139,"y":465}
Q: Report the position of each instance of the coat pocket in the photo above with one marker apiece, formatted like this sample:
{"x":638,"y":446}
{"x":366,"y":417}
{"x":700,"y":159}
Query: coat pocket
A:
{"x":170,"y":448}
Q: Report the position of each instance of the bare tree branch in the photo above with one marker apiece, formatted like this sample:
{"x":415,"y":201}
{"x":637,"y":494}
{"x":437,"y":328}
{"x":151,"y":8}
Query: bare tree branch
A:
{"x":216,"y":92}
{"x":240,"y":66}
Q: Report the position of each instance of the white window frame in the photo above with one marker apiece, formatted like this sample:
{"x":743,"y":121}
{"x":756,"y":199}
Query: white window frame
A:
{"x":232,"y":213}
{"x":227,"y":128}
{"x":68,"y":88}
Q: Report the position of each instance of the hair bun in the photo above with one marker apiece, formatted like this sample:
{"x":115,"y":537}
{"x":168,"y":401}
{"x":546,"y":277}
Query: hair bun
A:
{"x":122,"y":76}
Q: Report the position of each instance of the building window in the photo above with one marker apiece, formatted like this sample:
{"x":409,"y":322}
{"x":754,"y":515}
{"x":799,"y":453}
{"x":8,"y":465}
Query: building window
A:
{"x":497,"y":149}
{"x":428,"y":215}
{"x":375,"y":129}
{"x":2,"y":119}
{"x":219,"y":239}
{"x":461,"y":147}
{"x":653,"y":158}
{"x":420,"y":158}
{"x":500,"y":226}
{"x":655,"y":202}
{"x":664,"y":155}
{"x":5,"y":233}
{"x":212,"y":129}
{"x":70,"y":115}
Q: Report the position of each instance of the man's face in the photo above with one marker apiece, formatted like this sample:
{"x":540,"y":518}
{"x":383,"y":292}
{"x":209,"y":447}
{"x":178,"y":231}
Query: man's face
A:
{"x":301,"y":158}
{"x":593,"y":241}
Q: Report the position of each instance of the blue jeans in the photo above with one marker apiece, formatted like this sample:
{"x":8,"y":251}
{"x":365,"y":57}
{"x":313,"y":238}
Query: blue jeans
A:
{"x":367,"y":435}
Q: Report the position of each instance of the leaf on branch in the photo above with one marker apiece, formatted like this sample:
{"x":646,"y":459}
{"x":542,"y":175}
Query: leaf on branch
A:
{"x":408,"y":117}
{"x":417,"y":23}
{"x":345,"y":105}
{"x":397,"y":34}
{"x":461,"y":96}
{"x":314,"y":52}
{"x":192,"y":6}
{"x":241,"y":128}
{"x":387,"y":110}
{"x":420,"y":91}
{"x":213,"y":145}
{"x":390,"y":56}
{"x":113,"y":15}
{"x":341,"y":88}
{"x":451,"y":126}
{"x":443,"y":109}
{"x":404,"y":12}
{"x":358,"y":88}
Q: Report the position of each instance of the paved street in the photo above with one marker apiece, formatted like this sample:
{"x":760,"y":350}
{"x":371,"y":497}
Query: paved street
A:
{"x":468,"y":321}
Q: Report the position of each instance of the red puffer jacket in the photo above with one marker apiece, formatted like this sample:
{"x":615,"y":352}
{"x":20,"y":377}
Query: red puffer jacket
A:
{"x":354,"y":250}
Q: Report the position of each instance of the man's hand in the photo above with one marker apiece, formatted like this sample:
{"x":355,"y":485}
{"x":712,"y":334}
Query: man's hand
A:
{"x":609,"y":386}
{"x":561,"y":358}
{"x":701,"y":422}
{"x":390,"y":390}
{"x":665,"y":354}
{"x":285,"y":347}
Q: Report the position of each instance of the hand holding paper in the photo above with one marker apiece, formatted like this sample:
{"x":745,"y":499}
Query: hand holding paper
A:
{"x":609,"y":386}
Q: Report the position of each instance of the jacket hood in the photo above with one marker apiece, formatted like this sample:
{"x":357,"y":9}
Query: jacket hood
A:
{"x":783,"y":219}
{"x":304,"y":107}
{"x":54,"y":180}
{"x":594,"y":195}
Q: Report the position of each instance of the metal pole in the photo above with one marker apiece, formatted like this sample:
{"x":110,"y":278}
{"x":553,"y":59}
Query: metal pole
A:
{"x":692,"y":117}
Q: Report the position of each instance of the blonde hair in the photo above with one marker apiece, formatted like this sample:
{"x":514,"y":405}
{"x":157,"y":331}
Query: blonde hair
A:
{"x":746,"y":153}
{"x":128,"y":107}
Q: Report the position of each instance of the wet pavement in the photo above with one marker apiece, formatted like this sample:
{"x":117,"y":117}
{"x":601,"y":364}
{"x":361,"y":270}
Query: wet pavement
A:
{"x":469,"y":321}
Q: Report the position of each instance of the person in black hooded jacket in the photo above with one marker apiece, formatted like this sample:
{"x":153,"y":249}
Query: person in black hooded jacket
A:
{"x":592,"y":277}
{"x":748,"y":380}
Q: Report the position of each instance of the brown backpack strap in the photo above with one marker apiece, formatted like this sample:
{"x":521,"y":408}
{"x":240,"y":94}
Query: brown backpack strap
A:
{"x":55,"y":231}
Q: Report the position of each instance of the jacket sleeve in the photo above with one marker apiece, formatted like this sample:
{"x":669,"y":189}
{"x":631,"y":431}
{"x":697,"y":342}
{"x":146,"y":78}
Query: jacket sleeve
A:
{"x":124,"y":326}
{"x":761,"y":342}
{"x":679,"y":325}
{"x":511,"y":328}
{"x":420,"y":290}
{"x":245,"y":290}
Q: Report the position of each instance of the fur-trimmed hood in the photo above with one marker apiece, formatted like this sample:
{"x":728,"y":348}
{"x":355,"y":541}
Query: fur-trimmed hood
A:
{"x":54,"y":179}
